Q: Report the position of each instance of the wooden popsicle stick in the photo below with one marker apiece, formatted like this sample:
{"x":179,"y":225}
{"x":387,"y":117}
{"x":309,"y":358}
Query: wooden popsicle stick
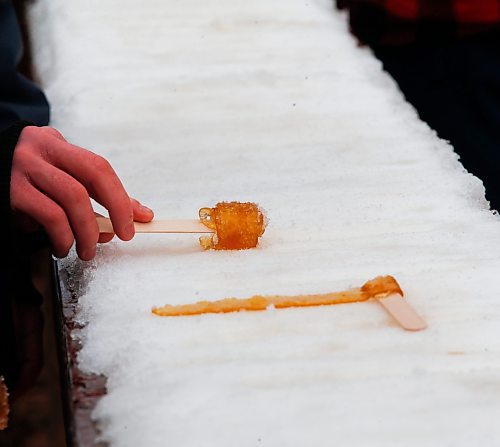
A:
{"x":158,"y":226}
{"x":399,"y":309}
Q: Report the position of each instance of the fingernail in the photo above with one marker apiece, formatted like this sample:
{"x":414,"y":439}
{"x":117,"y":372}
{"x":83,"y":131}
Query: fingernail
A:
{"x":145,"y":208}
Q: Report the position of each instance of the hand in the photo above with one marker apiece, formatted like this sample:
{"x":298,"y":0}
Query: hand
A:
{"x":51,"y":185}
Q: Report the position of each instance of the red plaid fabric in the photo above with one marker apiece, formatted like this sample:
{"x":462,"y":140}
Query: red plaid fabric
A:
{"x":398,"y":22}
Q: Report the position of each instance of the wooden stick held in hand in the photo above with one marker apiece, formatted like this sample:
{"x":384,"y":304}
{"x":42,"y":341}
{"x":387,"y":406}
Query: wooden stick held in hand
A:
{"x":158,"y":226}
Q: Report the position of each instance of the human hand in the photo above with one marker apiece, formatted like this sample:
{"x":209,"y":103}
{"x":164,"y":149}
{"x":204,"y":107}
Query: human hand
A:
{"x":52,"y":182}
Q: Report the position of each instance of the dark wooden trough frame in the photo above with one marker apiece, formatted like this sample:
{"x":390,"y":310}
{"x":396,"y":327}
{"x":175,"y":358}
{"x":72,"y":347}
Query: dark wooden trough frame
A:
{"x":80,"y":391}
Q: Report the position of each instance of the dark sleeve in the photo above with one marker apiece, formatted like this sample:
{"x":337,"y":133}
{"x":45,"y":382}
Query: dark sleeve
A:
{"x":20,"y":99}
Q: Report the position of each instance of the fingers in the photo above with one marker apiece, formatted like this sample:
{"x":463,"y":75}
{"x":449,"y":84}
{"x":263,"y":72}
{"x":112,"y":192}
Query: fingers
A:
{"x":100,"y":180}
{"x":141,"y":213}
{"x":74,"y":200}
{"x":52,"y":182}
{"x":54,"y":132}
{"x":28,"y":200}
{"x":54,"y":219}
{"x":105,"y":237}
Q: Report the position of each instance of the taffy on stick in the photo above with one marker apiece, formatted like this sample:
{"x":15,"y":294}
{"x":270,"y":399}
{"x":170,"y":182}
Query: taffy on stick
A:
{"x":233,"y":226}
{"x":384,"y":289}
{"x":379,"y":287}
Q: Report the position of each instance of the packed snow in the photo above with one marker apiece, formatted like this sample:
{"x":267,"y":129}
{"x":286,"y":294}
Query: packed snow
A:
{"x":272,"y":101}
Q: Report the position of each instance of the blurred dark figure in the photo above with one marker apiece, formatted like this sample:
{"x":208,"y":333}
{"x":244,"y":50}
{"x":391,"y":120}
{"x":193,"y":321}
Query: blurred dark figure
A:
{"x":35,"y":418}
{"x":20,"y":314}
{"x":20,"y":99}
{"x":21,"y":329}
{"x":445,"y":56}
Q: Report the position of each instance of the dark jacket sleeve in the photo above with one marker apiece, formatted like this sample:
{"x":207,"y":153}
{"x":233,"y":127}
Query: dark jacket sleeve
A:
{"x":20,"y":99}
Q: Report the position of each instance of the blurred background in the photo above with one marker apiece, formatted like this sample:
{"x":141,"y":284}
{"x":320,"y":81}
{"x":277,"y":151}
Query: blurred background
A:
{"x":36,"y":417}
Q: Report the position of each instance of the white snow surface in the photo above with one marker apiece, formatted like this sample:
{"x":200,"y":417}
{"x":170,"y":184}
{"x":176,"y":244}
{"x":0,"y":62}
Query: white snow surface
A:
{"x":195,"y":102}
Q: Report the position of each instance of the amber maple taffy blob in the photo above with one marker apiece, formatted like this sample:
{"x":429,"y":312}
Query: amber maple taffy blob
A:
{"x":259,"y":302}
{"x":383,"y":288}
{"x":237,"y":226}
{"x":4,"y":405}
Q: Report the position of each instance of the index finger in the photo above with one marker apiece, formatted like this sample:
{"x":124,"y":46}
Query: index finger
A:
{"x":100,"y":180}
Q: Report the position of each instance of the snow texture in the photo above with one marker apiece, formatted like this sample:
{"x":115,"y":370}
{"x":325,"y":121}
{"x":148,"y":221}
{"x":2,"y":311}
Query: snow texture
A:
{"x":272,"y":101}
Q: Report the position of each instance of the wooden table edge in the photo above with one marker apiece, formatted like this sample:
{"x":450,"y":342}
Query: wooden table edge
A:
{"x":80,"y":391}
